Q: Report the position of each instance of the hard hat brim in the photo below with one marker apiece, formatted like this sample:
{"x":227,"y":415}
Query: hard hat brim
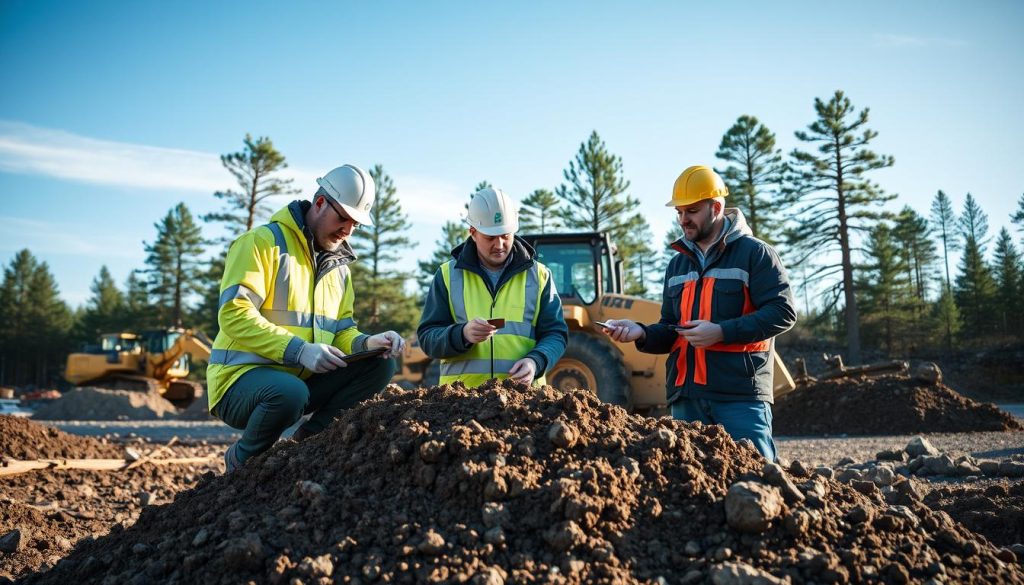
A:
{"x":360,"y":217}
{"x":497,"y":230}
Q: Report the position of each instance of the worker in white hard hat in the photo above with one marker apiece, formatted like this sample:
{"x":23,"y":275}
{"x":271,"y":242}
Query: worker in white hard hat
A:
{"x":726,"y":297}
{"x":286,"y":323}
{"x":492,"y":311}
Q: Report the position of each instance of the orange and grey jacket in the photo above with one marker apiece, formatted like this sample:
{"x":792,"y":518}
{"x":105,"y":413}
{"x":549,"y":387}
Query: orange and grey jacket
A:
{"x":742,"y":287}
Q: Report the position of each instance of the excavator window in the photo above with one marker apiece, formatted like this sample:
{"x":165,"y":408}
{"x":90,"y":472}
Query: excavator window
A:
{"x":572,"y":268}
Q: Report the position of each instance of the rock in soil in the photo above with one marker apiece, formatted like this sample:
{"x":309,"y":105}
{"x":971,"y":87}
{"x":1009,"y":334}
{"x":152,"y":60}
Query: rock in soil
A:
{"x":887,"y":405}
{"x":611,"y":505}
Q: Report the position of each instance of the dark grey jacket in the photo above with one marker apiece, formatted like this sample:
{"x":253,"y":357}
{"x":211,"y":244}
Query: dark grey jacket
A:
{"x":439,"y":335}
{"x":744,"y":268}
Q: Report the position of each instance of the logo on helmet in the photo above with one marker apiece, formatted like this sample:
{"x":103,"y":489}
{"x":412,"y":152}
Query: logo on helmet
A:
{"x":497,"y":217}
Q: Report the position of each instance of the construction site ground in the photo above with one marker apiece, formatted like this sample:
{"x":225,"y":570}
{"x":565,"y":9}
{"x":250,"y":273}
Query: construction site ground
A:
{"x":59,"y":513}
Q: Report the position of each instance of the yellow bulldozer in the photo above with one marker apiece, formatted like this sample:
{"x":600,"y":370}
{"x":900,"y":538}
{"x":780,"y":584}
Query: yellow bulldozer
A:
{"x":587,"y":272}
{"x":150,"y":361}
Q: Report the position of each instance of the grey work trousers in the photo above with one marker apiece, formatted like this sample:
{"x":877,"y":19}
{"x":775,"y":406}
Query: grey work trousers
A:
{"x":264,"y":401}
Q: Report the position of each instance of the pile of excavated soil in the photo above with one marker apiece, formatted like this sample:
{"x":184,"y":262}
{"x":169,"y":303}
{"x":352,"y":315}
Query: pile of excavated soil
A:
{"x":104,"y":404}
{"x":198,"y":410}
{"x":43,"y":514}
{"x":509,"y":483}
{"x":995,"y":510}
{"x":888,"y":405}
{"x":23,"y":439}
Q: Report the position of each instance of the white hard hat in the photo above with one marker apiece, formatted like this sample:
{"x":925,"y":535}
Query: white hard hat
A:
{"x":493,"y":213}
{"x":353,"y":189}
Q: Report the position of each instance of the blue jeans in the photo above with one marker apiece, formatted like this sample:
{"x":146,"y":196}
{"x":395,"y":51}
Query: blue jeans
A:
{"x":745,"y":419}
{"x":264,"y":401}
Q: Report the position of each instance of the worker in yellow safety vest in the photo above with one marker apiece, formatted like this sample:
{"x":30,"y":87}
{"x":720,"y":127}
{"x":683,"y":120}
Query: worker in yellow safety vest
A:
{"x":286,"y":323}
{"x":492,"y":311}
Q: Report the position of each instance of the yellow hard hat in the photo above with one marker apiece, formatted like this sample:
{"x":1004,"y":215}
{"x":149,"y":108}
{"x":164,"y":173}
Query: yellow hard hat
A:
{"x":695,"y":184}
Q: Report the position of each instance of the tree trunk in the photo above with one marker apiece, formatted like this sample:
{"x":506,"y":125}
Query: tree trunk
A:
{"x":852,"y":316}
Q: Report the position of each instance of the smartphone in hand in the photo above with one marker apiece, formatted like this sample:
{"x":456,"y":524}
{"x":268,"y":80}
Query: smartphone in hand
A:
{"x":499,"y":323}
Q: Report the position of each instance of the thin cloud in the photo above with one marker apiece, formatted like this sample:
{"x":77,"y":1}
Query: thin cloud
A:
{"x":51,"y":237}
{"x":900,"y":41}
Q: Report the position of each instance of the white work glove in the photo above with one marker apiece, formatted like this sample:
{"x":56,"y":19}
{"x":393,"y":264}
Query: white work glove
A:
{"x":388,"y":339}
{"x":524,"y":370}
{"x":320,"y":357}
{"x":624,"y":330}
{"x":478,"y":330}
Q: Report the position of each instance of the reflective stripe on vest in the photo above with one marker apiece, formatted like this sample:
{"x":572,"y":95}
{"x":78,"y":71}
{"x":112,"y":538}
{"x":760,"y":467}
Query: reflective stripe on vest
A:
{"x":227,"y":357}
{"x":700,"y":365}
{"x":283,"y":281}
{"x":469,"y":298}
{"x":240,"y":291}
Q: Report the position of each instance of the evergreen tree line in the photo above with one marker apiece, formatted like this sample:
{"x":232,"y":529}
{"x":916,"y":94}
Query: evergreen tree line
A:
{"x":874,"y":274}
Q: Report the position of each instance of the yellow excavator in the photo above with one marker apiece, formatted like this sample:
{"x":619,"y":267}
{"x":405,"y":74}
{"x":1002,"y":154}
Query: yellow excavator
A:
{"x":149,"y":361}
{"x":588,"y":275}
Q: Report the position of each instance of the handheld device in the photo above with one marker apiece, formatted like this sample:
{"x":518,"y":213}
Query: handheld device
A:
{"x":362,"y":355}
{"x":602,"y":324}
{"x":499,"y":323}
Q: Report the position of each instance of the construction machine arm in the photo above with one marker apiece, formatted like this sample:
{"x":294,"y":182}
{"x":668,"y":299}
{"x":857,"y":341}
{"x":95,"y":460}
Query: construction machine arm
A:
{"x":191,"y":342}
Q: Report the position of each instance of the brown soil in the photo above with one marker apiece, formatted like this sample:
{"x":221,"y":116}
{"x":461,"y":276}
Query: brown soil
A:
{"x":887,"y":405}
{"x":105,"y":404}
{"x":995,"y":511}
{"x":505,"y":483}
{"x":53,"y":510}
{"x":24,"y":439}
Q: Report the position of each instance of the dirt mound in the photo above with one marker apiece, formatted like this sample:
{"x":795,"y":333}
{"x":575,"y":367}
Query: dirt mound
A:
{"x":52,"y":510}
{"x":104,"y":404}
{"x":995,"y":511}
{"x":24,"y":439}
{"x":198,"y":410}
{"x":508,"y":483}
{"x":888,"y":405}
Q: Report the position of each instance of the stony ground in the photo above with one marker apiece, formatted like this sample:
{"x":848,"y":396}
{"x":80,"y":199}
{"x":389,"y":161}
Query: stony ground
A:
{"x":503,"y":484}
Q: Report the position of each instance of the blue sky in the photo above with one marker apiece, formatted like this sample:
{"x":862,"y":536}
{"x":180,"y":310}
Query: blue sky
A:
{"x":112,"y":112}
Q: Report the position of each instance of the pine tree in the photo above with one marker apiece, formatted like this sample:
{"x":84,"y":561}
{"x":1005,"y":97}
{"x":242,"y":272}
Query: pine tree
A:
{"x":638,"y":257}
{"x":1009,"y":279}
{"x":663,"y":256}
{"x":140,"y":312}
{"x":35,"y":321}
{"x":595,"y":200}
{"x":106,"y":311}
{"x":913,"y":234}
{"x":832,"y":198}
{"x":205,"y":315}
{"x":255,"y":169}
{"x":886,"y":288}
{"x":943,"y":220}
{"x":381,"y":301}
{"x":755,"y":174}
{"x":975,"y":289}
{"x":947,"y":315}
{"x":175,"y":269}
{"x":537,"y":213}
{"x":1018,"y":215}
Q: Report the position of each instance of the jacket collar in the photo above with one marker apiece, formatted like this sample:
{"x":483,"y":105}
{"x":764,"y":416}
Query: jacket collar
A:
{"x":520,"y":258}
{"x":293,"y":217}
{"x":735,"y":228}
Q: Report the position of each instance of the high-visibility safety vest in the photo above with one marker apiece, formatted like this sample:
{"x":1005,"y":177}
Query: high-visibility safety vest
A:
{"x":690,"y":281}
{"x":272,"y":300}
{"x":517,"y":302}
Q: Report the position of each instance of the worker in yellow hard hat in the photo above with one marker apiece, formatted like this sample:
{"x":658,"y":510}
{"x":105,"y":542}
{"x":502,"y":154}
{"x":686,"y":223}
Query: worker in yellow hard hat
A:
{"x":726,"y":296}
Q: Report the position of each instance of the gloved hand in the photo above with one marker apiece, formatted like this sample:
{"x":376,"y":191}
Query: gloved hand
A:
{"x":523,"y":371}
{"x":388,"y":339}
{"x":320,"y":357}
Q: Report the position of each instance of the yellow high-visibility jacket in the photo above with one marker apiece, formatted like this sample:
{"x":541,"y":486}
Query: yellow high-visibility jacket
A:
{"x":274,"y":297}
